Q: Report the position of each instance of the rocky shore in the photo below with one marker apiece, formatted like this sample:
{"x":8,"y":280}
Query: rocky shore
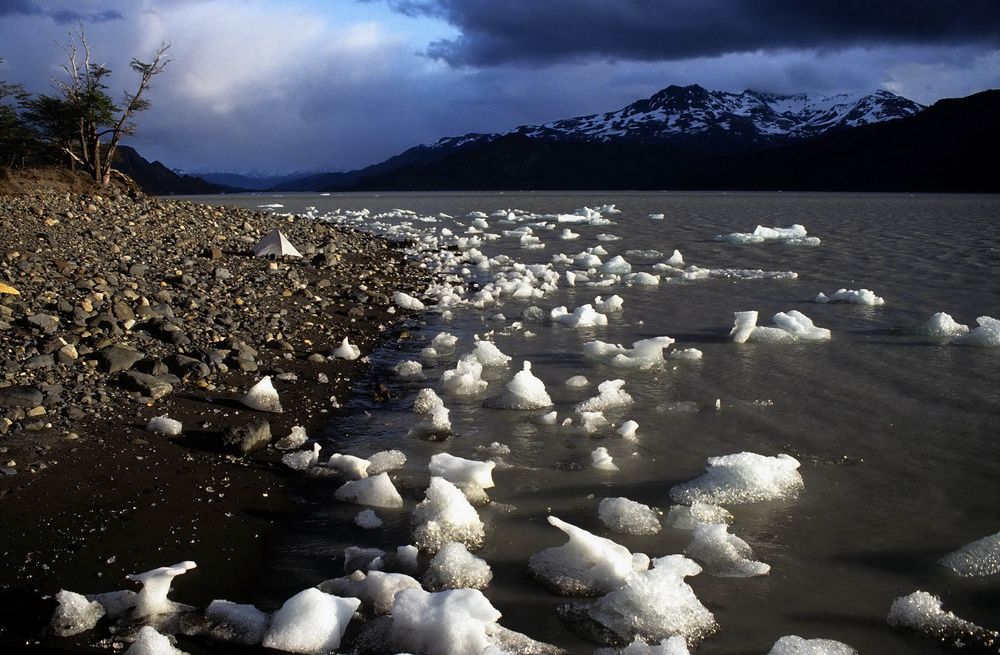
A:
{"x":130,"y":307}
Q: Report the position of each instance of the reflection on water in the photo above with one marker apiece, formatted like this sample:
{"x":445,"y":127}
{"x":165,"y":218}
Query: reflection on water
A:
{"x":897,"y":435}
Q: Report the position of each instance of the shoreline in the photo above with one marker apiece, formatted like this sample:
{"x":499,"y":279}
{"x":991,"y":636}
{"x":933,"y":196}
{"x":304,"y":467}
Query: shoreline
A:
{"x":97,"y":496}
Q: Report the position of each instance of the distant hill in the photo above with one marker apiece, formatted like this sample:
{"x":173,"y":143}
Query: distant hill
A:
{"x":880,"y":142}
{"x":250,"y":182}
{"x":156,"y":179}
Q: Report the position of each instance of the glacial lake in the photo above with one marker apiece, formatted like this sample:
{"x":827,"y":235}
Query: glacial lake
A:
{"x":897,"y":435}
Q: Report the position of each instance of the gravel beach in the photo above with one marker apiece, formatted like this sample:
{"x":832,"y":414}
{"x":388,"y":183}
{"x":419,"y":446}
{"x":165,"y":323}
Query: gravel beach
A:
{"x":132,"y":307}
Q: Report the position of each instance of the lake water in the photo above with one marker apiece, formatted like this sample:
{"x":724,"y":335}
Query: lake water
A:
{"x":898,"y":436}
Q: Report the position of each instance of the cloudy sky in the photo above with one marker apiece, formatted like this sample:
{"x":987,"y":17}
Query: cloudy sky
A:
{"x":295,"y":85}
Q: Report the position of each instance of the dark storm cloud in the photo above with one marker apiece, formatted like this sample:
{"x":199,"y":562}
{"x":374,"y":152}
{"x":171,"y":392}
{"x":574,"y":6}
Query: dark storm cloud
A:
{"x":546,"y":31}
{"x":63,"y":16}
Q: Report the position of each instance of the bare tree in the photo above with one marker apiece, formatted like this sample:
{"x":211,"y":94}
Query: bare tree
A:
{"x":95,"y":116}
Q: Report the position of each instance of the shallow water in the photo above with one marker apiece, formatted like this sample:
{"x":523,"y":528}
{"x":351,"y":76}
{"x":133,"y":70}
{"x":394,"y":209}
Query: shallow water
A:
{"x":897,"y":435}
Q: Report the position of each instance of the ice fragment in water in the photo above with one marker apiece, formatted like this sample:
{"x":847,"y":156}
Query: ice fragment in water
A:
{"x":303,"y":459}
{"x":642,"y":279}
{"x":349,"y":466}
{"x":454,"y":567}
{"x":590,"y":421}
{"x":471,"y":476}
{"x":587,"y":565}
{"x":611,"y":395}
{"x":410,"y":370}
{"x":686,"y":354}
{"x":616,"y":265}
{"x":433,"y":415}
{"x":628,"y":517}
{"x":656,"y":604}
{"x":525,"y":391}
{"x":600,"y":459}
{"x":377,"y":491}
{"x":941,"y":326}
{"x":150,"y":642}
{"x":743,"y":326}
{"x":577,"y":381}
{"x":466,"y":378}
{"x":75,"y":614}
{"x":295,"y":439}
{"x":489,"y":355}
{"x":454,"y":622}
{"x":406,"y":301}
{"x":243,"y":624}
{"x":675,"y":645}
{"x":628,"y":429}
{"x":851,"y":296}
{"x":795,"y":645}
{"x":979,"y":558}
{"x":152,"y":598}
{"x":310,"y":622}
{"x":164,"y":425}
{"x":376,"y":590}
{"x":445,"y":515}
{"x":581,"y":317}
{"x":790,"y":326}
{"x":386,"y":460}
{"x":722,"y":554}
{"x":684,"y":517}
{"x":644,"y":354}
{"x":922,"y":613}
{"x":742,"y":478}
{"x":987,"y":335}
{"x":796,"y":323}
{"x":346,"y":350}
{"x":263,"y":397}
{"x":367,"y":519}
{"x":444,"y":342}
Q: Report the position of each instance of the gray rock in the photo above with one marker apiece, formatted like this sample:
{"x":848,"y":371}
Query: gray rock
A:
{"x":188,"y":367}
{"x":154,"y":386}
{"x":40,"y":361}
{"x":248,"y":437}
{"x":118,"y":358}
{"x":20,"y":396}
{"x":45,"y":322}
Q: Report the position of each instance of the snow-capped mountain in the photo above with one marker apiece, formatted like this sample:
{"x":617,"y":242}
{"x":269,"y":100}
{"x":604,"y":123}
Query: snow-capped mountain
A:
{"x":692,"y":112}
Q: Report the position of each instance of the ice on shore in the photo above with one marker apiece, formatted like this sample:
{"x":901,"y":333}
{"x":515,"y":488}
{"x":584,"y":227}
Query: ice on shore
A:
{"x":795,"y":645}
{"x":851,"y":296}
{"x":610,"y":396}
{"x":310,"y":622}
{"x":524,"y":391}
{"x":922,"y":613}
{"x":150,"y":642}
{"x":237,"y":623}
{"x":164,"y":425}
{"x":601,"y":459}
{"x":790,"y":326}
{"x":586,"y":565}
{"x":346,"y":350}
{"x":410,"y":369}
{"x":263,"y":397}
{"x":152,"y":598}
{"x":348,"y":466}
{"x":723,"y":554}
{"x":941,"y":326}
{"x":445,"y":515}
{"x":406,"y":301}
{"x":454,"y":567}
{"x":470,"y":476}
{"x":644,"y":354}
{"x":74,"y":614}
{"x":466,"y":378}
{"x":376,"y":491}
{"x":656,"y":604}
{"x":581,"y":317}
{"x":687,"y":517}
{"x":628,"y":517}
{"x":987,"y":335}
{"x":742,"y":478}
{"x":976,"y":559}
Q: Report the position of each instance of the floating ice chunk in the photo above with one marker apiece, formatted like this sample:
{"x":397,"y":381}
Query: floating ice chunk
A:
{"x":348,"y":466}
{"x":454,"y":567}
{"x":242,"y":624}
{"x":346,"y":350}
{"x":686,"y":354}
{"x":941,"y":326}
{"x":601,"y":459}
{"x":608,"y":237}
{"x":586,"y":260}
{"x":115,"y":603}
{"x":444,"y":342}
{"x":445,"y":515}
{"x":590,"y":422}
{"x":742,"y":478}
{"x":616,"y":265}
{"x":433,"y":415}
{"x":743,"y":325}
{"x":386,"y":460}
{"x":628,"y":517}
{"x":722,"y":554}
{"x":469,"y":475}
{"x":676,"y":645}
{"x":376,"y":590}
{"x":165,"y":425}
{"x":656,"y":604}
{"x":762,"y":234}
{"x":644,"y":354}
{"x":685,"y":517}
{"x":628,"y":429}
{"x":979,"y":558}
{"x":75,"y":614}
{"x":642,"y":279}
{"x":655,"y":217}
{"x":150,"y":642}
{"x":410,"y":370}
{"x":795,"y":645}
{"x":525,"y":391}
{"x":921,"y":612}
{"x":851,"y":296}
{"x":377,"y":491}
{"x":987,"y":335}
{"x":577,"y":381}
{"x":310,"y":622}
{"x":453,"y":622}
{"x":466,"y":378}
{"x":367,"y":519}
{"x":587,"y":565}
{"x":294,"y":439}
{"x":612,"y":304}
{"x":583,"y":316}
{"x":550,"y":418}
{"x":303,"y":459}
{"x":357,"y":558}
{"x":800,"y":325}
{"x":152,"y":598}
{"x":262,"y":397}
{"x":406,"y":301}
{"x":568,"y":234}
{"x":676,"y":259}
{"x":489,"y":355}
{"x":610,"y":395}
